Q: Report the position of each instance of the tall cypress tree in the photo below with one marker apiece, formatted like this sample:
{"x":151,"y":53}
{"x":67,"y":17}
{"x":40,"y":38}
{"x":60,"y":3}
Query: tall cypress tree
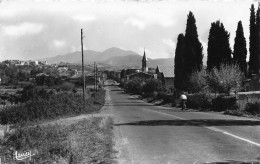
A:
{"x":257,"y":32}
{"x":253,"y":58}
{"x":219,"y":50}
{"x":240,"y":51}
{"x":179,"y":63}
{"x":193,"y":53}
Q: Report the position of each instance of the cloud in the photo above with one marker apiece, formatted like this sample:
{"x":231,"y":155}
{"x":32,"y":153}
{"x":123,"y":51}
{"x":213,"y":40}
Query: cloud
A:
{"x":136,"y":23}
{"x":59,"y":43}
{"x":84,"y":18}
{"x":170,"y":43}
{"x":22,"y":29}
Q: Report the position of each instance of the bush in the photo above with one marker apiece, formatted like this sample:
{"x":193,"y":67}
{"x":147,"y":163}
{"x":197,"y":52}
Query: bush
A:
{"x":57,"y":105}
{"x":223,"y":103}
{"x":67,"y":86}
{"x":253,"y":108}
{"x":134,"y":86}
{"x":198,"y":81}
{"x":225,"y":79}
{"x":167,"y":98}
{"x":199,"y":101}
{"x":152,"y":85}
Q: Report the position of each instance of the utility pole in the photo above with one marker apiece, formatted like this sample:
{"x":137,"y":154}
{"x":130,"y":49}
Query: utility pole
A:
{"x":94,"y":80}
{"x":83,"y":74}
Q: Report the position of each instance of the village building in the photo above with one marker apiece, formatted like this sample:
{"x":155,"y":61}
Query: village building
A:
{"x":166,"y":75}
{"x":144,"y":73}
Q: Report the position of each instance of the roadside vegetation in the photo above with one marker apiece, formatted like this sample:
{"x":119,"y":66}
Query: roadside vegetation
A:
{"x":215,"y":90}
{"x":81,"y":141}
{"x":86,"y":141}
{"x":39,"y":105}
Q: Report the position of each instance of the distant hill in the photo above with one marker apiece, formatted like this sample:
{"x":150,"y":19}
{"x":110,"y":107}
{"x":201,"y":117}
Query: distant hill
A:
{"x":112,"y":56}
{"x":136,"y":61}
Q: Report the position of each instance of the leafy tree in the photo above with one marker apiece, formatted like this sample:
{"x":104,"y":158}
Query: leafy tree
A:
{"x":198,"y":81}
{"x":28,"y":93}
{"x":253,"y":58}
{"x":135,"y":85}
{"x":226,"y":78}
{"x":152,"y":85}
{"x":123,"y":74}
{"x":49,"y":80}
{"x":179,"y":63}
{"x":240,"y":51}
{"x":40,"y":80}
{"x":193,"y":53}
{"x":67,"y":86}
{"x":218,"y":46}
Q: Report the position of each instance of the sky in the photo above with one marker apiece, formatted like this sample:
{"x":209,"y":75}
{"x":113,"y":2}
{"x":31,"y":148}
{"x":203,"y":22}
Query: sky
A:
{"x":36,"y":29}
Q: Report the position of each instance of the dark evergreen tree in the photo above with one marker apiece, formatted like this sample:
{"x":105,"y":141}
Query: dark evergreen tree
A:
{"x":193,"y":53}
{"x":240,"y":51}
{"x":253,"y":58}
{"x":179,"y":63}
{"x":257,"y":32}
{"x":219,"y":50}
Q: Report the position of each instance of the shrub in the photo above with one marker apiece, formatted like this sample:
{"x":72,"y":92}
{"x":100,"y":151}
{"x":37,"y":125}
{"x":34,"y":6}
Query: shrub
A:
{"x":223,"y":103}
{"x":135,"y":86}
{"x":225,"y":79}
{"x":57,"y":105}
{"x":198,"y":81}
{"x":152,"y":85}
{"x":67,"y":86}
{"x":253,"y":107}
{"x":199,"y":101}
{"x":167,"y":98}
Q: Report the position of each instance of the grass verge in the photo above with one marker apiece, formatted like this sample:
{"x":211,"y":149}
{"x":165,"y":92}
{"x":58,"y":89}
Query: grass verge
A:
{"x":87,"y":141}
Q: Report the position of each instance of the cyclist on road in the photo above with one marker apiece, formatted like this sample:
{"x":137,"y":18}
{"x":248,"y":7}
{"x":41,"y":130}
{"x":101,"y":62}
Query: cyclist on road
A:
{"x":183,"y":98}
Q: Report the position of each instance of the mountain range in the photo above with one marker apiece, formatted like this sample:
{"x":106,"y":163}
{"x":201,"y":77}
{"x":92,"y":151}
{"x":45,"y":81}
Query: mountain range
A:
{"x":112,"y":56}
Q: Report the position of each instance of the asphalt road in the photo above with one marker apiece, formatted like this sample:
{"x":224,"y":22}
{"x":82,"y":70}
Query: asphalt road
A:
{"x":147,"y":134}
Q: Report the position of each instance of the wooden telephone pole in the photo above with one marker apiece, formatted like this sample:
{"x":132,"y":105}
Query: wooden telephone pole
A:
{"x":83,"y":74}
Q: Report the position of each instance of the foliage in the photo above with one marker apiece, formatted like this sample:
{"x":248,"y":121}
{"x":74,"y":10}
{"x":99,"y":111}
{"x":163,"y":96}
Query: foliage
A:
{"x":67,"y":86}
{"x":179,"y":63}
{"x":193,"y":52}
{"x":55,"y":105}
{"x":199,"y":101}
{"x":123,"y":74}
{"x":85,"y":141}
{"x":28,"y":93}
{"x":152,"y":85}
{"x":253,"y":107}
{"x":257,"y":31}
{"x":253,"y":58}
{"x":135,"y":86}
{"x":198,"y":81}
{"x":240,"y":51}
{"x":225,"y":79}
{"x":218,"y":46}
{"x":223,"y":103}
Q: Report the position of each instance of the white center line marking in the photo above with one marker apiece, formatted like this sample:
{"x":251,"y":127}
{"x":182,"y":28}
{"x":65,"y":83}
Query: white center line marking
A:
{"x":210,"y":128}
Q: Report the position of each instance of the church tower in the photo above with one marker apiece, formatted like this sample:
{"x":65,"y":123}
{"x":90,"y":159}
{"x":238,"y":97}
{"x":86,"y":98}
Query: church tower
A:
{"x":144,"y":64}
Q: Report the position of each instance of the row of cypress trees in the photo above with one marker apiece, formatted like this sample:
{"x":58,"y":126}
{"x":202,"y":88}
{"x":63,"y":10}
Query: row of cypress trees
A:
{"x":254,"y":40}
{"x":189,"y":50}
{"x":188,"y":54}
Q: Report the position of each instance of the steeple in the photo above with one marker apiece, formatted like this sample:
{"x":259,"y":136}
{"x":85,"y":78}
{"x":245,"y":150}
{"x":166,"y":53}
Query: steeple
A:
{"x":144,"y":63}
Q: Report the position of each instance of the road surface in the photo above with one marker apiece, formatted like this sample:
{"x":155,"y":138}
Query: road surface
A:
{"x":147,"y":134}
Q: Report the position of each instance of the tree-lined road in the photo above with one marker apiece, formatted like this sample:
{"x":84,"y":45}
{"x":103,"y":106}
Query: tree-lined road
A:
{"x":148,"y":134}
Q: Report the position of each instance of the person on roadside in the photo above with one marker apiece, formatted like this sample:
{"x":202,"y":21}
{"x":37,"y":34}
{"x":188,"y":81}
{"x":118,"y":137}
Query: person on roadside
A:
{"x":183,"y":98}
